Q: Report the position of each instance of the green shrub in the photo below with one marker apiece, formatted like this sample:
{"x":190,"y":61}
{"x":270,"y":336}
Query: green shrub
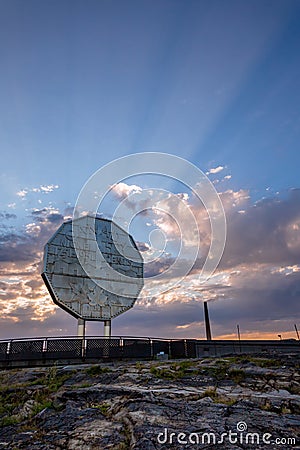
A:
{"x":103,"y":408}
{"x":212,"y":393}
{"x":40,"y":406}
{"x":97,"y":370}
{"x":163,"y":373}
{"x":237,"y":375}
{"x":9,"y":420}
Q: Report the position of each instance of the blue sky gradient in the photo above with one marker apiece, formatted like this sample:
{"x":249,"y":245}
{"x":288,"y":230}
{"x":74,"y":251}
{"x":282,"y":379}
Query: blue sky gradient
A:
{"x":85,"y":82}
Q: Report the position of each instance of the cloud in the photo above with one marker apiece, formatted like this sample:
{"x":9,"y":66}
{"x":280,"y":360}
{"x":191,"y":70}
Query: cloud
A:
{"x":33,"y":229}
{"x":250,"y":297}
{"x":49,"y":214}
{"x":7,"y":216}
{"x":47,"y":188}
{"x":27,"y":244}
{"x":22,"y":194}
{"x":215,"y":170}
{"x":17,"y":247}
{"x":122,"y":190}
{"x":256,"y":284}
{"x":44,"y":189}
{"x":24,"y":299}
{"x":23,"y":295}
{"x":265,"y":232}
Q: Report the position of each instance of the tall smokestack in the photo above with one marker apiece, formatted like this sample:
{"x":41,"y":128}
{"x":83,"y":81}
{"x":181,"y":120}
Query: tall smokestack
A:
{"x":207,"y":324}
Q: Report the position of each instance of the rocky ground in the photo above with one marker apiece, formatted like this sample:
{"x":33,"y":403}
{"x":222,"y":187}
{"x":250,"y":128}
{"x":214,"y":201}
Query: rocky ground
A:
{"x":253,"y":401}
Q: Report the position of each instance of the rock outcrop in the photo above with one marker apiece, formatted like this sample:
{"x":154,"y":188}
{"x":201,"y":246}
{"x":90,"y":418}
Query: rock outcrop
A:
{"x":231,"y":403}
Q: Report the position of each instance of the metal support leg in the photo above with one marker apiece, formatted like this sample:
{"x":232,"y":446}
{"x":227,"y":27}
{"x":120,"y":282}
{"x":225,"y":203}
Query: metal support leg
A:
{"x":107,"y":328}
{"x":81,"y":328}
{"x":81,"y":334}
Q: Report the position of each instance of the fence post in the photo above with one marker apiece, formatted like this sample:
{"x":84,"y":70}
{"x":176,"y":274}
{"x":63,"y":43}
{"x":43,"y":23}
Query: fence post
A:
{"x":185,"y":348}
{"x":83,"y":347}
{"x":8,"y":348}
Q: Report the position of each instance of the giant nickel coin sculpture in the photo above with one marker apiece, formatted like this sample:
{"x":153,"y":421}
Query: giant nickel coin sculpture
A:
{"x":86,"y":286}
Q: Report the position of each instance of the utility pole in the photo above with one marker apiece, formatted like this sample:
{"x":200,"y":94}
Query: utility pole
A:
{"x":297,"y":332}
{"x":239,"y":337}
{"x":207,"y":323}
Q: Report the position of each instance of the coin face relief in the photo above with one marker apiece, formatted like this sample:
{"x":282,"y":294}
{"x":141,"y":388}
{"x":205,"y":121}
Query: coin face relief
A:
{"x":98,"y":277}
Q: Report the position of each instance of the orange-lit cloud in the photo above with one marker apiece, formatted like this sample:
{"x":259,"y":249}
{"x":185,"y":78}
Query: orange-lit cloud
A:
{"x":256,"y":284}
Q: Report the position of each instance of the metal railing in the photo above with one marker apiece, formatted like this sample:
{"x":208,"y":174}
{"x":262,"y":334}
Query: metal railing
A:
{"x":39,"y":351}
{"x":73,"y":349}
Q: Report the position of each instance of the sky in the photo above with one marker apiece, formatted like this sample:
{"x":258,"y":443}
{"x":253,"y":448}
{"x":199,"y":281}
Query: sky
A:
{"x":216,"y":83}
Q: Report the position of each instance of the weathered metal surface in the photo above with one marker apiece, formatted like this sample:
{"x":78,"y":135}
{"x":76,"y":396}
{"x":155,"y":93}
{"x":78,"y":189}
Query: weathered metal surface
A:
{"x":88,"y":288}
